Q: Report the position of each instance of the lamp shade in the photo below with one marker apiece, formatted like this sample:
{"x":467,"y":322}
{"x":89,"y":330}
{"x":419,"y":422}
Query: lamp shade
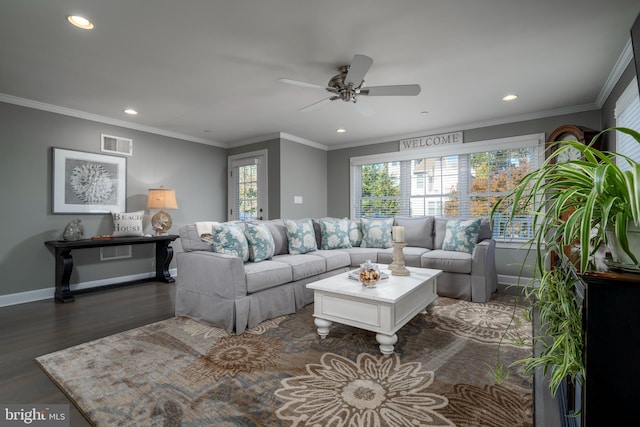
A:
{"x":162,"y":198}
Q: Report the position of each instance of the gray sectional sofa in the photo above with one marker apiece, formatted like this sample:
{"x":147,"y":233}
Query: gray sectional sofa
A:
{"x":222,"y":290}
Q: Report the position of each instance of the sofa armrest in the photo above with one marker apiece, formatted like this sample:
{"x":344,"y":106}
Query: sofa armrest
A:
{"x":212,"y":274}
{"x":484,"y":280}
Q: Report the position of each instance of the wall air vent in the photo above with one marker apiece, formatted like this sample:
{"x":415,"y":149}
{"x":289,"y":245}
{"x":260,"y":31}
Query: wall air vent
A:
{"x":117,"y":145}
{"x":109,"y":253}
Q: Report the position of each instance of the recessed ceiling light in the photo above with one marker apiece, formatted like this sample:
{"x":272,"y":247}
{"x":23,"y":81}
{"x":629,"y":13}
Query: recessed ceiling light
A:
{"x":510,"y":97}
{"x":424,"y":113}
{"x":80,"y":22}
{"x":131,"y":111}
{"x":341,"y":130}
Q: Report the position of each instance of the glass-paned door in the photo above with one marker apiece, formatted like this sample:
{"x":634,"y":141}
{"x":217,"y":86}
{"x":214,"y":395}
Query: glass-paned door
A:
{"x":248,"y":187}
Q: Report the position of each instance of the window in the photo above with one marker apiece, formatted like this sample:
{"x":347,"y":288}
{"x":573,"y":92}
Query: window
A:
{"x":627,"y":114}
{"x":248,"y":186}
{"x":465,"y":181}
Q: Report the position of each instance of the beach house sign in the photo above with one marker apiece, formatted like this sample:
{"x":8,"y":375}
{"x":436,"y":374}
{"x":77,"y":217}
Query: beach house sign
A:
{"x":441,"y":140}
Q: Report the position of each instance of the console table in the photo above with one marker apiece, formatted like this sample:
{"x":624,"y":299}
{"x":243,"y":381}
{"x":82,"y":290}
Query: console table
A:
{"x":64,"y":261}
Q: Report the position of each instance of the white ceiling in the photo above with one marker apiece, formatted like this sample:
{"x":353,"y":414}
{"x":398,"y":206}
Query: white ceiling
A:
{"x":209,"y":69}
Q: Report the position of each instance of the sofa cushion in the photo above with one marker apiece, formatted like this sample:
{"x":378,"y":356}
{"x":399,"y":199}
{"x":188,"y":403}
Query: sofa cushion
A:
{"x":266,"y":274}
{"x":439,"y":231}
{"x":303,"y":265}
{"x":301,"y":236}
{"x":411,"y":256}
{"x":334,"y":258}
{"x":449,"y":261}
{"x":376,"y":232}
{"x":418,"y":232}
{"x":355,"y":234}
{"x":279,"y":234}
{"x":461,"y":235}
{"x":229,"y":239}
{"x":486,"y":231}
{"x":334,"y":233}
{"x":261,"y":244}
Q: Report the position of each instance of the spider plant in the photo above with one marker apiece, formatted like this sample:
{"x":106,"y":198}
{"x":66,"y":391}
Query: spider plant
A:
{"x":573,"y":204}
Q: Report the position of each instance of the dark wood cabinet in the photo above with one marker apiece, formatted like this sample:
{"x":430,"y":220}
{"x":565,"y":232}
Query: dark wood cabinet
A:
{"x":611,"y":323}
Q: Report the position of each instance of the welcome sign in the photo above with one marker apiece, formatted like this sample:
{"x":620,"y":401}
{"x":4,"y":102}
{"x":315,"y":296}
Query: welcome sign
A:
{"x":443,"y":139}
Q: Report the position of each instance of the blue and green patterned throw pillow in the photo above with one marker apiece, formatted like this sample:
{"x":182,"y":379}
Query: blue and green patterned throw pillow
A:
{"x":335,"y":233}
{"x":461,"y":235}
{"x":229,"y":239}
{"x":355,"y":235}
{"x":301,"y":237}
{"x":261,"y":243}
{"x":376,"y":232}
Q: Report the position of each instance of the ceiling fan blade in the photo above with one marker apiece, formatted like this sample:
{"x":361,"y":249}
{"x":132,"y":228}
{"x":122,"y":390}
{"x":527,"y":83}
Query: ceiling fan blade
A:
{"x":364,"y":109}
{"x":398,"y":90}
{"x":358,"y":68}
{"x":316,"y":104}
{"x":303,"y":84}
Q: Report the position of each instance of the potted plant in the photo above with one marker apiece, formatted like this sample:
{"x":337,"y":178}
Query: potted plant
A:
{"x":577,"y":206}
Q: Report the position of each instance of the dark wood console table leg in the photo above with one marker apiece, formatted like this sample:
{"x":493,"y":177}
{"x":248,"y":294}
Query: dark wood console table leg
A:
{"x":64,"y":266}
{"x":164,"y":255}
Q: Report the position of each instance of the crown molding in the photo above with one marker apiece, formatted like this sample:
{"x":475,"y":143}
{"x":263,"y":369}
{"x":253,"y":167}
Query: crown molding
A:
{"x":10,"y":99}
{"x":278,"y":135}
{"x":621,"y":64}
{"x":303,"y":141}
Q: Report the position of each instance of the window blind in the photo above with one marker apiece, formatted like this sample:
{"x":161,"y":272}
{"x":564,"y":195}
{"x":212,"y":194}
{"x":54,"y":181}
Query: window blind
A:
{"x":627,"y":114}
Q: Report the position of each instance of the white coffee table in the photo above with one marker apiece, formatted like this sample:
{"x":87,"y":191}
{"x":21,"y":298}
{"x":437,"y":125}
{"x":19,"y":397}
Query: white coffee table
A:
{"x":384,"y":309}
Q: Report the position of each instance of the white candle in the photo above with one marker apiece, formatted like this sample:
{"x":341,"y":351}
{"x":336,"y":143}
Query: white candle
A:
{"x":398,"y":234}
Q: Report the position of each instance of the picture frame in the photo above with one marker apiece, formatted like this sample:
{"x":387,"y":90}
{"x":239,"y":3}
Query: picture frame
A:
{"x":88,"y":183}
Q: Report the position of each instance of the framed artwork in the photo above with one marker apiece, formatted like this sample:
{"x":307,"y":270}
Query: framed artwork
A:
{"x":88,"y":182}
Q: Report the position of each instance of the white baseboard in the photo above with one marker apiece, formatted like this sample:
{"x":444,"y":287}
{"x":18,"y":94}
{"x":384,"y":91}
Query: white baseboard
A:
{"x":47,"y":293}
{"x":506,"y":280}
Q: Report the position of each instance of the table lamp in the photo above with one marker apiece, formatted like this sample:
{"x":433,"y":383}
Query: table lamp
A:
{"x":161,"y":198}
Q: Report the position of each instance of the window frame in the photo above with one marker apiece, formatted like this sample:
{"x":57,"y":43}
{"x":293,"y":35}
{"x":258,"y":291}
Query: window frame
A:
{"x":509,"y":143}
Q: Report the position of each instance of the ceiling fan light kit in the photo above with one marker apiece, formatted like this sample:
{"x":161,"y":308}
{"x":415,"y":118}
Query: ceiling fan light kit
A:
{"x":349,"y":84}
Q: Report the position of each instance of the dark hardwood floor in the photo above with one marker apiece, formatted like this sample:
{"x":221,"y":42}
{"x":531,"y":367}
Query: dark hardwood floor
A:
{"x":33,"y":329}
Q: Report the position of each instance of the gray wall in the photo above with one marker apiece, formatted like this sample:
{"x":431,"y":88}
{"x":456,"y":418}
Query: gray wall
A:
{"x":195,"y":171}
{"x":293,"y":170}
{"x":509,"y":260}
{"x":303,"y":172}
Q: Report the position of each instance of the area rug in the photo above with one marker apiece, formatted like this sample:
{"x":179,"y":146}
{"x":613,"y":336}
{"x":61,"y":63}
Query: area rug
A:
{"x":179,"y":372}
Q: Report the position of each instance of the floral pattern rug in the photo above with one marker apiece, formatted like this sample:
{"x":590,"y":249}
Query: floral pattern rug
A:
{"x":179,"y":372}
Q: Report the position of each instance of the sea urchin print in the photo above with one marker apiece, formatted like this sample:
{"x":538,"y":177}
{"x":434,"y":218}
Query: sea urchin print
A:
{"x":91,"y":183}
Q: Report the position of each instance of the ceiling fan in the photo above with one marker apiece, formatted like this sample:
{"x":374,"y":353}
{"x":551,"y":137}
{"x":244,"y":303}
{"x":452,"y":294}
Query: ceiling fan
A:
{"x":349,"y":84}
